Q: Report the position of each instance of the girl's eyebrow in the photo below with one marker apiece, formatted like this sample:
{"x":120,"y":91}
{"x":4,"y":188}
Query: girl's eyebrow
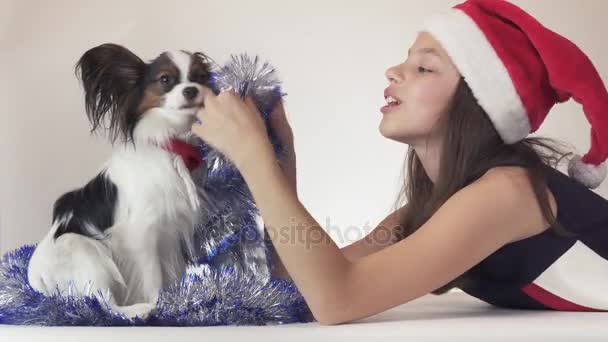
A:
{"x":431,"y":51}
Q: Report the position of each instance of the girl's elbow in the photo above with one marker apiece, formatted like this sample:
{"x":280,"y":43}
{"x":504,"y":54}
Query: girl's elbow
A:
{"x":332,"y":314}
{"x":329,"y":319}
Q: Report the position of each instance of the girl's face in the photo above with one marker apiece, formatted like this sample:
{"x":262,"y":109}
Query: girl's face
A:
{"x":420,"y":92}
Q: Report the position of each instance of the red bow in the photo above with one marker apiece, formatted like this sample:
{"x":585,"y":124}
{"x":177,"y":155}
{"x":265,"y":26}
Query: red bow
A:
{"x":190,"y":154}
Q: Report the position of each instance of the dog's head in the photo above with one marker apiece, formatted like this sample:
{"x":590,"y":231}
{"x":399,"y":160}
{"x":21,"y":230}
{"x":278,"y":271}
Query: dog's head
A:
{"x":139,"y":100}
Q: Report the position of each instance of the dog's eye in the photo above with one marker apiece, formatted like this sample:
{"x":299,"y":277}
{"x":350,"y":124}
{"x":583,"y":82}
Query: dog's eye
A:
{"x":164,"y":79}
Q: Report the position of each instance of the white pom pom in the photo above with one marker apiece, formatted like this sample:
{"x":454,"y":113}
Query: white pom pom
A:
{"x":588,"y":174}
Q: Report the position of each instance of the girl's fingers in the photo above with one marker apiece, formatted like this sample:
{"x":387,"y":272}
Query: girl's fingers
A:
{"x":208,"y":95}
{"x":200,"y":114}
{"x":199,"y":130}
{"x":228,"y":88}
{"x":250,"y":103}
{"x":278,"y":114}
{"x":278,"y":118}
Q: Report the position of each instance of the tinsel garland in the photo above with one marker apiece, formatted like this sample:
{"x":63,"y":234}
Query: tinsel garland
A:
{"x":228,"y":280}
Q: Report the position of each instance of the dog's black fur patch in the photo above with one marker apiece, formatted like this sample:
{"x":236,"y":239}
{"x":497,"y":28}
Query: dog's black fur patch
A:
{"x":94,"y":204}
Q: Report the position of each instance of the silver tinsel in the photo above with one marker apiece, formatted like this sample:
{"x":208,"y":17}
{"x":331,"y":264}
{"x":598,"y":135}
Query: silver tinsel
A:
{"x":228,"y":281}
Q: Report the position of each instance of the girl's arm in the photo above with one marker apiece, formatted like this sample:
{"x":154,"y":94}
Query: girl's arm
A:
{"x":471,"y":225}
{"x":379,"y":238}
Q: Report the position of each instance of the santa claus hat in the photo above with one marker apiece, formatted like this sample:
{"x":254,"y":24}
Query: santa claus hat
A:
{"x":518,"y":69}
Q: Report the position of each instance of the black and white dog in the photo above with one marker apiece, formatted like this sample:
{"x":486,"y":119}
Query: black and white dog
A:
{"x":128,"y":232}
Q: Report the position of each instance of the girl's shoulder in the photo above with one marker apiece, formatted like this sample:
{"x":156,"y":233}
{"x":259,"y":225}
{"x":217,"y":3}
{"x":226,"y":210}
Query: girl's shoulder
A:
{"x":514,"y":172}
{"x":576,"y":207}
{"x":523,"y":192}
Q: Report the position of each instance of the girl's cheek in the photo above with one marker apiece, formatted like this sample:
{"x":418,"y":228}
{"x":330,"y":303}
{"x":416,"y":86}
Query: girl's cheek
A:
{"x":431,"y":94}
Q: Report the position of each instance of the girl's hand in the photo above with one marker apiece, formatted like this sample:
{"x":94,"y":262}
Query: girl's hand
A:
{"x":280,"y":125}
{"x":232,"y":126}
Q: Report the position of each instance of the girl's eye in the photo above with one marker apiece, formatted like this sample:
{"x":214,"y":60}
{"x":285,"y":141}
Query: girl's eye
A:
{"x":423,"y":70}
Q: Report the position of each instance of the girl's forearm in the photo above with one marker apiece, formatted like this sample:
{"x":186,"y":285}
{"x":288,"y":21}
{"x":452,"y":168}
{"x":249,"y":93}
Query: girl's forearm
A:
{"x":315,"y":263}
{"x":288,"y":164}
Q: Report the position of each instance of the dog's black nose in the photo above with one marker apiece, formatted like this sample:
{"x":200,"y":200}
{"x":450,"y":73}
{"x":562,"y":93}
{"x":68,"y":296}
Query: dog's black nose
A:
{"x":190,"y":93}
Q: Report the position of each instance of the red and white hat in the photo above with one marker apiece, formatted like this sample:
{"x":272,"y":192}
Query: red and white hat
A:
{"x":518,"y":69}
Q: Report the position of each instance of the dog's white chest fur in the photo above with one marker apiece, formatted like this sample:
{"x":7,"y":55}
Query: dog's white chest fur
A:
{"x":155,"y":211}
{"x":145,"y":249}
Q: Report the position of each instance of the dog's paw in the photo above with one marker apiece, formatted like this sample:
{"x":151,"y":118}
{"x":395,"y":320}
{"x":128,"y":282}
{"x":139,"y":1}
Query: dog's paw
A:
{"x":139,"y":310}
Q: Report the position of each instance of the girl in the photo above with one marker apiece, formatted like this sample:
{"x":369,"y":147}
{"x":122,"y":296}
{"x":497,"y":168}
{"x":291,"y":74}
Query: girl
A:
{"x":483,"y":208}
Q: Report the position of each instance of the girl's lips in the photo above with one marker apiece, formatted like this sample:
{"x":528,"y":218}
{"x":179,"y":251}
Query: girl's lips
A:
{"x":393,"y":101}
{"x":389,"y":108}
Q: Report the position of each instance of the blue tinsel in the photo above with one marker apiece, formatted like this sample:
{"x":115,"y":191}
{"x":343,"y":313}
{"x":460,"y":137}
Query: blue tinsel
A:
{"x":228,"y":281}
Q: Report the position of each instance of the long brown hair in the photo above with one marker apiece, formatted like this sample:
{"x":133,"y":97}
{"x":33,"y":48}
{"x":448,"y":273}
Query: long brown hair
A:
{"x":471,"y":146}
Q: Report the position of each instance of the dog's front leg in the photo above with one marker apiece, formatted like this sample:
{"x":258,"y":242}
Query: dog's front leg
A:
{"x":152,"y":279}
{"x":184,"y":174}
{"x":144,"y":275}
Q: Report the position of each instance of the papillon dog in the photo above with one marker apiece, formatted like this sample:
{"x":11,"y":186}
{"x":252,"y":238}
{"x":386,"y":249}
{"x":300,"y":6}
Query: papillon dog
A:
{"x":128,"y":232}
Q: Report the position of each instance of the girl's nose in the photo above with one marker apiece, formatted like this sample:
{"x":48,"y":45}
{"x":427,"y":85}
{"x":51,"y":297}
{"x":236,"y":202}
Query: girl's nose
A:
{"x":393,"y":75}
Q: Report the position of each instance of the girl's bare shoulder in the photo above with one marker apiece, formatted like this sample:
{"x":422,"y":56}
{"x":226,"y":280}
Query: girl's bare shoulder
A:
{"x":520,"y":190}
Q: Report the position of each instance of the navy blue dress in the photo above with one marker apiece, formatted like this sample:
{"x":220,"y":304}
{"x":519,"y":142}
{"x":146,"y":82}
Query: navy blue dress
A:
{"x":549,"y":271}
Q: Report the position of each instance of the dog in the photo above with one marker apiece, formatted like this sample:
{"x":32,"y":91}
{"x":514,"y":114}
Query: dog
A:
{"x":128,"y":232}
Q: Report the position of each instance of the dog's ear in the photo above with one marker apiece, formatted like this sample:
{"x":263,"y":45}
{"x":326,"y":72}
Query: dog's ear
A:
{"x":110,"y":74}
{"x":202,"y":59}
{"x":201,"y":67}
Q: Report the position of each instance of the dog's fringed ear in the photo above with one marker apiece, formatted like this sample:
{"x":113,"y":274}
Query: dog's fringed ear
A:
{"x":202,"y":66}
{"x":109,"y":74}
